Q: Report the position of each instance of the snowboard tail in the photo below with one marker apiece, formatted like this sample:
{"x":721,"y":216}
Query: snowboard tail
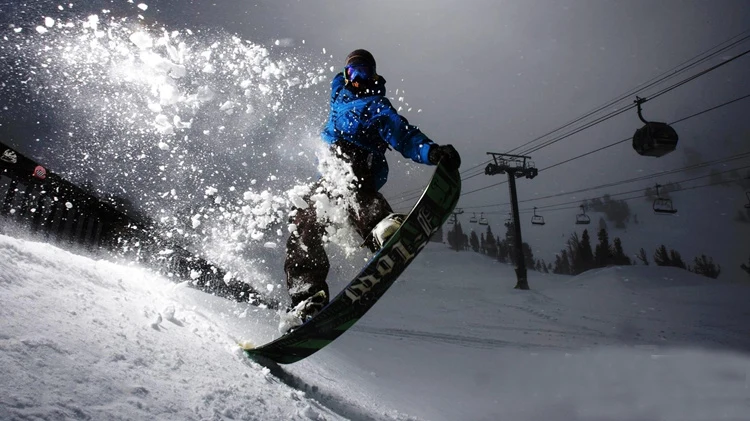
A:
{"x":430,"y":212}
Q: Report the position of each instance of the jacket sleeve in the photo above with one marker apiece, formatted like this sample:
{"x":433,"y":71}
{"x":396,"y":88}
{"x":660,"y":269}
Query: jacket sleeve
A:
{"x":336,"y":85}
{"x":401,"y":135}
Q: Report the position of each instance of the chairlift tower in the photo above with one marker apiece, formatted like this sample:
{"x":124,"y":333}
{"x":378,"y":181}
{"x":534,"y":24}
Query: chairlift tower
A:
{"x":516,"y":166}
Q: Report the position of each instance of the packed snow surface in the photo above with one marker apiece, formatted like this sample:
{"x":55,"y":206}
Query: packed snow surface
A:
{"x":90,"y":339}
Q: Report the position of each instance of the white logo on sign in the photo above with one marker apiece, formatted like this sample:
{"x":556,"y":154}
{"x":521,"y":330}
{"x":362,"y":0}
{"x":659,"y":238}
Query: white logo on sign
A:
{"x":9,"y":156}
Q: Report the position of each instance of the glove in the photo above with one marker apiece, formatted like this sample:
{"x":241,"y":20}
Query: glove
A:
{"x":445,"y":153}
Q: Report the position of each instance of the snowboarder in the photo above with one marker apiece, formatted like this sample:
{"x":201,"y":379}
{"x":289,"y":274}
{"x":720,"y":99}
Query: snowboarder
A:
{"x":362,"y":125}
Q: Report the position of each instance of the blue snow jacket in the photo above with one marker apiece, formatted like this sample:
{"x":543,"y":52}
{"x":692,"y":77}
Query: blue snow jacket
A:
{"x":369,"y":122}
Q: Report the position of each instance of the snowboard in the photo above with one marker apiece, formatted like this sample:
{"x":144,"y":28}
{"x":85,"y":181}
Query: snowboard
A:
{"x":429,"y":213}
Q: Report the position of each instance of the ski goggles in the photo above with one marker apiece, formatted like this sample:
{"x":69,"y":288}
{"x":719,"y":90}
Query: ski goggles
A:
{"x":359,"y":71}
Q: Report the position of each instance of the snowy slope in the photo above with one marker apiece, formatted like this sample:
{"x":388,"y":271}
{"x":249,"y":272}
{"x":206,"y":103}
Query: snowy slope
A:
{"x":90,"y":339}
{"x":85,"y":339}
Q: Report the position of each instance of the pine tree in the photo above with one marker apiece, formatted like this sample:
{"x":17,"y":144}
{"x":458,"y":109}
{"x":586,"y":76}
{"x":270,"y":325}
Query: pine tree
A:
{"x":676,"y":259}
{"x":574,"y":247}
{"x":587,"y":256}
{"x":661,"y":256}
{"x":642,"y":256}
{"x":502,"y":250}
{"x":581,"y":256}
{"x":544,"y":267}
{"x":491,"y":242}
{"x":455,"y":237}
{"x":562,"y":263}
{"x":482,"y":244}
{"x":705,"y":266}
{"x":567,"y":266}
{"x":474,"y":241}
{"x":558,"y":264}
{"x":603,"y":254}
{"x":618,"y":254}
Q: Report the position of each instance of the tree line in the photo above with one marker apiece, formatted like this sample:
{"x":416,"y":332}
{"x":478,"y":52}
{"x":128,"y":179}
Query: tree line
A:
{"x":580,"y":254}
{"x":500,"y":248}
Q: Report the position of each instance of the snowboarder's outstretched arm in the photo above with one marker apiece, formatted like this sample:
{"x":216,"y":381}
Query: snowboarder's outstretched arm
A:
{"x":409,"y":140}
{"x":402,"y":136}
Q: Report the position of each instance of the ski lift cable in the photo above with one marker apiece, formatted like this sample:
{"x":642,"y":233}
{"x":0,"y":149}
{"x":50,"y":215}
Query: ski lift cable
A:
{"x":739,"y":156}
{"x":641,"y":189}
{"x":652,"y":82}
{"x":629,"y":138}
{"x":411,"y":195}
{"x":615,"y":143}
{"x":607,"y":146}
{"x":481,"y":166}
{"x":631,"y":180}
{"x":650,"y":176}
{"x":710,"y":109}
{"x":416,"y":192}
{"x":615,"y":113}
{"x":696,"y":76}
{"x":643,"y":178}
{"x":579,"y":129}
{"x":639,"y":195}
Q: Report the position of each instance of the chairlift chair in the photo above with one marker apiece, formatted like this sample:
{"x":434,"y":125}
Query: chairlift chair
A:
{"x":662,"y":205}
{"x":582,"y":218}
{"x":537,"y":219}
{"x":482,"y":219}
{"x":509,"y":221}
{"x":473,"y":219}
{"x":653,"y":139}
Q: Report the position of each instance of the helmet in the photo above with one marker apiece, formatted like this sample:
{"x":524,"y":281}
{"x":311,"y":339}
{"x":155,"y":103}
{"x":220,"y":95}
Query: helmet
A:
{"x":360,"y":64}
{"x":362,"y":57}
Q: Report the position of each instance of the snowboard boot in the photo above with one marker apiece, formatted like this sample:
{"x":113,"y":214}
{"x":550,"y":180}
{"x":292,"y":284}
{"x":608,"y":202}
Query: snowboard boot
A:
{"x":308,"y":308}
{"x":303,"y":312}
{"x":385,"y":229}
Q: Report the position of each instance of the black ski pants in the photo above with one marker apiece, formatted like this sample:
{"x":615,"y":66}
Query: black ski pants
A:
{"x":306,"y":265}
